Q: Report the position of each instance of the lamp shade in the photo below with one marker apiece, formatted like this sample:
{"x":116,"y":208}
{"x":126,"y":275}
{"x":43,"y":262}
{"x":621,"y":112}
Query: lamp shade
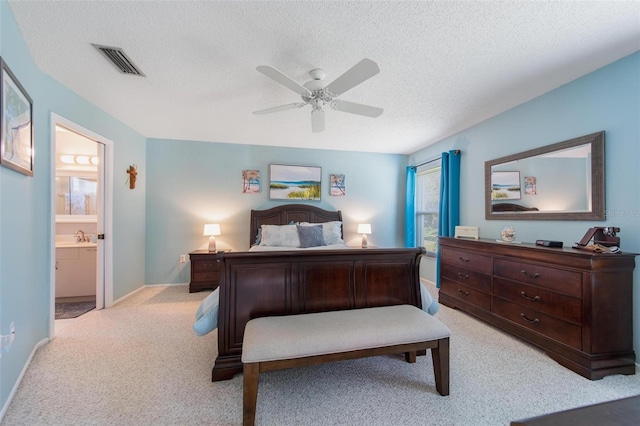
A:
{"x":211,"y":229}
{"x":364,"y":228}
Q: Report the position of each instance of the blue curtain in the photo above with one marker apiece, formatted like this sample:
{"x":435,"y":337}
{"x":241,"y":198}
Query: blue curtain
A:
{"x":410,"y":209}
{"x":449,"y":209}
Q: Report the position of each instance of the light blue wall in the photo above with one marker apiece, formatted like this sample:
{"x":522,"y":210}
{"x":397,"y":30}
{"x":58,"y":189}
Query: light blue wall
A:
{"x":25,"y":208}
{"x":607,"y":99}
{"x":193,"y":183}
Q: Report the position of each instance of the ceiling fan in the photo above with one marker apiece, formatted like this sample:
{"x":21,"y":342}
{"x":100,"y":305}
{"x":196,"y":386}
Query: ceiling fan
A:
{"x":319,"y":95}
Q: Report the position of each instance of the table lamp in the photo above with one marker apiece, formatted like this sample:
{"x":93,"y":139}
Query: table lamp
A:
{"x":364,"y":229}
{"x":212,"y":229}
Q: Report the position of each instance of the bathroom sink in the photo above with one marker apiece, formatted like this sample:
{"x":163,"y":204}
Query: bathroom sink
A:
{"x":71,"y":241}
{"x":74,"y":244}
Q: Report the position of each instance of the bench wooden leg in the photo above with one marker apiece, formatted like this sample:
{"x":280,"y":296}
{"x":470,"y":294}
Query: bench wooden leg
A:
{"x":251,"y":373}
{"x":440,"y":356}
{"x":410,"y":356}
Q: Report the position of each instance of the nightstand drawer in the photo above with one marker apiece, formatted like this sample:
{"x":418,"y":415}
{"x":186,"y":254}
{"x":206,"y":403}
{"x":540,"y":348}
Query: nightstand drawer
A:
{"x":200,"y":265}
{"x":204,"y":270}
{"x":201,"y":277}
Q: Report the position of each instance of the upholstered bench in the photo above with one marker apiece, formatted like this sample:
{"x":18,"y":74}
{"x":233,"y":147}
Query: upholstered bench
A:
{"x":274,"y":343}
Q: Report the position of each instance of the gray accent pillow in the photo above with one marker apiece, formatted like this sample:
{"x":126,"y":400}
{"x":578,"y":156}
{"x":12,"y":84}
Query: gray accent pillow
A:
{"x":311,"y":236}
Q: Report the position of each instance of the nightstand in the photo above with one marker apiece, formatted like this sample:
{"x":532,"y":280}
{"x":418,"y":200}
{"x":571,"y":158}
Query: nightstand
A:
{"x":204,"y":270}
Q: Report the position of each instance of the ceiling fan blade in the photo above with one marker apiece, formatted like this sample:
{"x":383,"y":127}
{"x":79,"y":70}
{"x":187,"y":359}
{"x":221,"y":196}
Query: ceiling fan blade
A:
{"x":317,"y":120}
{"x":360,"y":72}
{"x":280,"y":108}
{"x":355,"y":108}
{"x":286,"y":81}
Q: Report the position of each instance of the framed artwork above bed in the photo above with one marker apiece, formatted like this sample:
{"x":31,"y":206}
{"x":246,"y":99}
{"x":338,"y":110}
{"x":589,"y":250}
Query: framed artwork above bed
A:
{"x":294,"y":182}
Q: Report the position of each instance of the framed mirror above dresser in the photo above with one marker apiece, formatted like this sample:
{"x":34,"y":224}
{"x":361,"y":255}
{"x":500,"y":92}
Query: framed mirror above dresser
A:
{"x":561,"y":181}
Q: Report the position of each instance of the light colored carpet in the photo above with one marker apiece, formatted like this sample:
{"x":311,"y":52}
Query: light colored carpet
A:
{"x":139,"y":362}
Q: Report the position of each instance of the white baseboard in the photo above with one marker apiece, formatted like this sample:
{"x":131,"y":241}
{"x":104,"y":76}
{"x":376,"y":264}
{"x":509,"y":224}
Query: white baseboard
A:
{"x":126,"y":296}
{"x":20,"y":377}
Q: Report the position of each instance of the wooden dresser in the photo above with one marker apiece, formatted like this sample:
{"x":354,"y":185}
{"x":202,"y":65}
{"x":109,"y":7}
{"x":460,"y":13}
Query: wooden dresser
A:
{"x":204,"y":271}
{"x":574,"y":304}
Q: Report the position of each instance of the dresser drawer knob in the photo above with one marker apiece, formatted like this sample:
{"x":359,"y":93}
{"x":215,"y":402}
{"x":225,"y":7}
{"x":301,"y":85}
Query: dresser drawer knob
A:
{"x":463,"y":276}
{"x":532,"y":321}
{"x":463,"y":259}
{"x":462,"y":292}
{"x":533,"y":299}
{"x":523,"y":272}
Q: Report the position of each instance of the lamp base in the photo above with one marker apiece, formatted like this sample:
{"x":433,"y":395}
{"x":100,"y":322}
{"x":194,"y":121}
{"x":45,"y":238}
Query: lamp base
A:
{"x":365,"y":243}
{"x":212,"y":243}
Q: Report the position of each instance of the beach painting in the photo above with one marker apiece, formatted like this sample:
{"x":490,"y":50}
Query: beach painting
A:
{"x":505,"y":185}
{"x":294,"y":182}
{"x":250,"y":181}
{"x":530,"y":185}
{"x":336,"y":186}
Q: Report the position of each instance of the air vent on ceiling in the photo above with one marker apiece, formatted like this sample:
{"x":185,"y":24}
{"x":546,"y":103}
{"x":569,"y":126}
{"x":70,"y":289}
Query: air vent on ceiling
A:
{"x":119,"y":59}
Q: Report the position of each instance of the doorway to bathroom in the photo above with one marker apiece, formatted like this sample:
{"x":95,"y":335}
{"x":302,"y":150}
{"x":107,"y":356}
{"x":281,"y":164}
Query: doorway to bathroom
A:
{"x":81,"y":210}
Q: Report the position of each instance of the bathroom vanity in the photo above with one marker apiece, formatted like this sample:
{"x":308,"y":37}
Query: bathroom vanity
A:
{"x":76,"y":270}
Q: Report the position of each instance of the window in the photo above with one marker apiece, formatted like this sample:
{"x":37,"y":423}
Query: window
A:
{"x":426,"y":202}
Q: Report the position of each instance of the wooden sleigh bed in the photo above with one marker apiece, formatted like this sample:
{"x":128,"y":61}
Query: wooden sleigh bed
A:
{"x":270,"y":283}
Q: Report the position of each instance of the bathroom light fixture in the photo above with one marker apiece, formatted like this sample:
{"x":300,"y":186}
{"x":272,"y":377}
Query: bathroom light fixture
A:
{"x":67,"y":159}
{"x":83,"y":160}
{"x":212,"y":229}
{"x":364,"y":229}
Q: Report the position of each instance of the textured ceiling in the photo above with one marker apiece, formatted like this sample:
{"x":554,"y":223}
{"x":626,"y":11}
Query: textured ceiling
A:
{"x":444,"y":66}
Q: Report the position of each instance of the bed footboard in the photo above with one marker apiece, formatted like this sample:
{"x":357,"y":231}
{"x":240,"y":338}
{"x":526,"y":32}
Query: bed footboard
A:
{"x":261,"y":284}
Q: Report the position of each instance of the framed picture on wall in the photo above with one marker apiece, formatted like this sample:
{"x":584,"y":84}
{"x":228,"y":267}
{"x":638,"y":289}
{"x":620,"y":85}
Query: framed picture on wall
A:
{"x":530,"y":185}
{"x":336,"y":186}
{"x":294,"y":182}
{"x":250,"y":181}
{"x":505,"y":186}
{"x":16,"y":122}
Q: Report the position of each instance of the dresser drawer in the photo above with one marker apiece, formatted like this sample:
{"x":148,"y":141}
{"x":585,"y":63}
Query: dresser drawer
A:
{"x":559,"y":305}
{"x":466,"y":260}
{"x":546,"y":325}
{"x":466,"y":294}
{"x":466,"y":277}
{"x":568,"y":282}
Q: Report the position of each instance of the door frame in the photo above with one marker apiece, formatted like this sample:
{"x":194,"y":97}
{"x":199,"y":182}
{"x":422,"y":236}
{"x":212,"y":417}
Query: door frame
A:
{"x":104,"y":291}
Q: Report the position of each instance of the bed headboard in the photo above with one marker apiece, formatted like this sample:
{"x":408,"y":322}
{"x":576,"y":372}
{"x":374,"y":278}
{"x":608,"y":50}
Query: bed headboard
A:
{"x":284,"y":215}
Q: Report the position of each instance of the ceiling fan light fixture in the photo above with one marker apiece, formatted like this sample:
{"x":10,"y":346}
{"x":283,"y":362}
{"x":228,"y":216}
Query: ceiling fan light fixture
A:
{"x":317,"y":95}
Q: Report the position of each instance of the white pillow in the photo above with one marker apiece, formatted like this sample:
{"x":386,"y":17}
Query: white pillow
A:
{"x":332,"y":231}
{"x":280,"y":236}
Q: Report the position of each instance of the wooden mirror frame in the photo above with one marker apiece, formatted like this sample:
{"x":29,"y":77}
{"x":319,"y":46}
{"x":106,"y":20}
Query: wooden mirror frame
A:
{"x":597,"y":182}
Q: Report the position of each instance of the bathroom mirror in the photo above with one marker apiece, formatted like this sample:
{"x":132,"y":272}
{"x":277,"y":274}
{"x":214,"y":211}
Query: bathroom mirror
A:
{"x":562,"y":181}
{"x":76,"y":198}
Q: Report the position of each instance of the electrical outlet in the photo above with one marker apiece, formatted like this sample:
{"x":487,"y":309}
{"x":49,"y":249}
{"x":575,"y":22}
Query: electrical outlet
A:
{"x":7,"y":340}
{"x":183,"y":258}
